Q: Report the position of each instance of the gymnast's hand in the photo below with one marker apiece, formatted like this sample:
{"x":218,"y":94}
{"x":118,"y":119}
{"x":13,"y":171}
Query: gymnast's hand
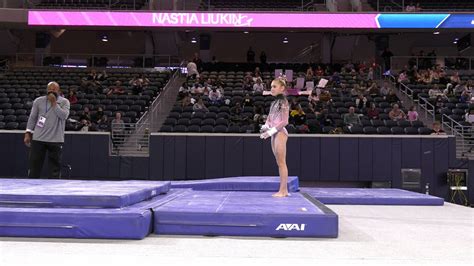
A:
{"x":268,"y":133}
{"x":264,"y":128}
{"x":265,"y":135}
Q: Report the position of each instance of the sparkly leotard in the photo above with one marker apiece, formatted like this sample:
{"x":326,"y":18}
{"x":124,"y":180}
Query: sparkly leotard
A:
{"x":279,"y":114}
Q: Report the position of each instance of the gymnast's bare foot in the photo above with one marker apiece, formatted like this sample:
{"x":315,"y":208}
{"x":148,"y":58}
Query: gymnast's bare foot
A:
{"x":281,"y":194}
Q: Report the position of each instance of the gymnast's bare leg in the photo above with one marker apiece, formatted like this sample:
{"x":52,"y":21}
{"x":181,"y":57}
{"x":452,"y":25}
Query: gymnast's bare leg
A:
{"x":279,"y":150}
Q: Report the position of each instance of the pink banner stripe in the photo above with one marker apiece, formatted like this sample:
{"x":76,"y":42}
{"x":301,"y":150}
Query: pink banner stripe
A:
{"x":203,"y":20}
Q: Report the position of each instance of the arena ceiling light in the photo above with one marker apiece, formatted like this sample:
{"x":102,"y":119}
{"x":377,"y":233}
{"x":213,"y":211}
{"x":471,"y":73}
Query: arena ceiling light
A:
{"x":246,"y":32}
{"x":285,"y":40}
{"x":436,"y":33}
{"x":105,"y":38}
{"x":193,"y":40}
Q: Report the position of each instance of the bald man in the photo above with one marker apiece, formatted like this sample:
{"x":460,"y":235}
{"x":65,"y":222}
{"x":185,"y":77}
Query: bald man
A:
{"x":45,"y":131}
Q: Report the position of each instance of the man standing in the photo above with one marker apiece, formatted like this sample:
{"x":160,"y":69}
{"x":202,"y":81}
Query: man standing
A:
{"x":45,"y":131}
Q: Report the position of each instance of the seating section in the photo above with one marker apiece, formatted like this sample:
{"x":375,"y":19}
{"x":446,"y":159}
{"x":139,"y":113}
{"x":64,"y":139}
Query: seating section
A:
{"x":253,"y":5}
{"x":19,"y":87}
{"x":220,"y":118}
{"x":91,"y":4}
{"x":426,"y":5}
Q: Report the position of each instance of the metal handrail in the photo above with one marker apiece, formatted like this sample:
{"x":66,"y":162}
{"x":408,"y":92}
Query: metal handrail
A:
{"x":429,"y":108}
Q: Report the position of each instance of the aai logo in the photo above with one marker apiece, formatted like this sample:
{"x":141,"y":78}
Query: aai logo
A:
{"x":291,"y":227}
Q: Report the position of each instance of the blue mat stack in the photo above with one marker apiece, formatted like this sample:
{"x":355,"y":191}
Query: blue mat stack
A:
{"x":235,"y":206}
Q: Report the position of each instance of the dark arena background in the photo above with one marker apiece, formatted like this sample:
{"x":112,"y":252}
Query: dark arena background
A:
{"x":165,"y":157}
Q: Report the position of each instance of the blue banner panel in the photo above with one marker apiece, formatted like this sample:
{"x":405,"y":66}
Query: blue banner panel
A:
{"x":330,"y":159}
{"x":382,"y":159}
{"x":410,"y":21}
{"x":349,"y":156}
{"x":459,"y":21}
{"x":310,"y":159}
{"x":215,"y":147}
{"x":365,"y":159}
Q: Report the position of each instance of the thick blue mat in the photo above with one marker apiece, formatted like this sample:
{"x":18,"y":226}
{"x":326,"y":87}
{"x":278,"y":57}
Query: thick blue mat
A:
{"x":239,"y":183}
{"x":132,"y":222}
{"x":371,"y":196}
{"x":77,"y":193}
{"x":245,"y":214}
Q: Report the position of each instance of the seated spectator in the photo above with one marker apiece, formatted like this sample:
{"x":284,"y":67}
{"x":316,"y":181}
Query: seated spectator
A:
{"x":98,"y":115}
{"x":192,"y":70}
{"x":361,"y":102}
{"x":247,"y":84}
{"x":370,"y":74}
{"x":183,"y":90}
{"x":200,"y":106}
{"x":373,"y":89}
{"x":465,"y":97}
{"x":258,"y":86}
{"x":460,"y":87}
{"x":259,"y":117}
{"x":215,"y":96}
{"x":116,"y":89}
{"x":437,"y":129}
{"x":455,"y":79}
{"x":403,"y":77}
{"x":323,"y":118}
{"x":396,"y":113}
{"x":385,"y":89}
{"x":138,"y":83}
{"x":72,"y":97}
{"x":309,"y":74}
{"x":236,"y":110}
{"x":319,"y":71}
{"x":103,"y":124}
{"x":85,"y":115}
{"x":435,"y":91}
{"x":314,"y":98}
{"x":85,"y":125}
{"x":247,"y":101}
{"x":351,"y":118}
{"x":335,"y":78}
{"x":392,"y":97}
{"x":293,"y":104}
{"x":297,"y":116}
{"x":325,"y":97}
{"x":186,"y":101}
{"x":470,"y":116}
{"x":373,"y":112}
{"x":256,"y":77}
{"x":412,"y":114}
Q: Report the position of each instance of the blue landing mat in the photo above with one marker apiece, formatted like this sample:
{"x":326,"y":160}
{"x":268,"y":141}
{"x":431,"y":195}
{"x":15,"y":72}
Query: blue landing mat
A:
{"x":239,"y":183}
{"x":237,"y":213}
{"x":77,"y":193}
{"x":371,"y":196}
{"x":132,"y":222}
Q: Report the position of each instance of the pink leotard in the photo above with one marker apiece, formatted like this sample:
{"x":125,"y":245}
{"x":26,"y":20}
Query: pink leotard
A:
{"x":279,"y":114}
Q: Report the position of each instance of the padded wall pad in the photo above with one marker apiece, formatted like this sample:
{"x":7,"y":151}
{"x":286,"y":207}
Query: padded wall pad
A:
{"x":239,"y":183}
{"x":371,"y":196}
{"x":245,"y":214}
{"x":131,"y":222}
{"x":77,"y":193}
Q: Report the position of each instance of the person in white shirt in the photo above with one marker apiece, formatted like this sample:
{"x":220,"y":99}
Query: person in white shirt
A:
{"x":192,"y":71}
{"x":258,"y":86}
{"x":470,"y":116}
{"x":215,"y":96}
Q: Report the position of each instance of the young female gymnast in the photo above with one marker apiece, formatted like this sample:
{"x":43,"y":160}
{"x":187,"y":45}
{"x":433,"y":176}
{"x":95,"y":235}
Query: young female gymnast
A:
{"x":275,"y":128}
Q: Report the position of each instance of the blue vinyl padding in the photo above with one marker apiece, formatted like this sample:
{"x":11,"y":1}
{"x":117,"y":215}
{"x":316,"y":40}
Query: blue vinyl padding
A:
{"x":371,"y":196}
{"x":77,"y":193}
{"x":239,"y":183}
{"x":238,"y":213}
{"x":131,"y":222}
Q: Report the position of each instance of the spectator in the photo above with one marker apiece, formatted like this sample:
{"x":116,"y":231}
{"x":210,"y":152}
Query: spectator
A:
{"x":250,"y":55}
{"x":435,"y":92}
{"x":412,"y":114}
{"x":200,"y":106}
{"x":247,"y":101}
{"x":138,"y":83}
{"x":72,"y":97}
{"x":247,"y":84}
{"x":392,"y":97}
{"x":259,"y":117}
{"x":336,"y":79}
{"x":258,"y":86}
{"x":385,"y":89}
{"x":465,"y":97}
{"x":293,"y":104}
{"x":183,"y":90}
{"x":236,"y":110}
{"x":116,"y":89}
{"x":263,"y":58}
{"x":297,"y":116}
{"x":314,"y":98}
{"x":192,"y":70}
{"x":85,"y":115}
{"x":257,"y":76}
{"x":373,"y":112}
{"x":325,"y":97}
{"x":455,"y":79}
{"x":351,"y":118}
{"x":186,"y":101}
{"x":118,"y":129}
{"x":370,"y":74}
{"x":437,"y":129}
{"x":215,"y":96}
{"x":396,"y":113}
{"x":103,"y":124}
{"x":403,"y":77}
{"x":470,"y":116}
{"x":98,"y":115}
{"x":373,"y":90}
{"x":309,"y":74}
{"x":361,"y":102}
{"x":85,"y":125}
{"x":319,"y":71}
{"x":410,"y":8}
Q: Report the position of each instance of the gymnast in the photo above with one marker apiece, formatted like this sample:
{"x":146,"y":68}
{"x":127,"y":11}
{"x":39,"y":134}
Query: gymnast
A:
{"x":275,"y":128}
